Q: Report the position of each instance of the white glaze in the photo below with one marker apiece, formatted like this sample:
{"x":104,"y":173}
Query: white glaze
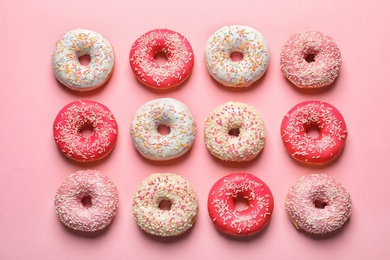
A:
{"x":67,"y":67}
{"x":164,"y":111}
{"x":237,"y":38}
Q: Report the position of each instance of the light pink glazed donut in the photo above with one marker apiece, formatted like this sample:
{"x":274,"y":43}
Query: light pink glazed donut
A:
{"x":221,"y":204}
{"x":310,"y":59}
{"x":332,"y":132}
{"x":318,"y":204}
{"x":234,"y":132}
{"x":179,"y":54}
{"x":73,"y":118}
{"x":86,"y":185}
{"x":156,"y":220}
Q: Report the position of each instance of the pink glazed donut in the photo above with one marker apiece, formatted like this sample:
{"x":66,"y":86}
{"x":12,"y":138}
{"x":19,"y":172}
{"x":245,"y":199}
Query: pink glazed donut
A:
{"x":71,"y":120}
{"x":179,"y":54}
{"x":79,"y":186}
{"x":244,"y":222}
{"x":310,"y":59}
{"x":318,"y":204}
{"x":314,"y":114}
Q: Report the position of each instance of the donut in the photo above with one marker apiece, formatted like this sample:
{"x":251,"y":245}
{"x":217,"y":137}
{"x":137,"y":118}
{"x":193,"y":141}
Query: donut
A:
{"x":310,"y":59}
{"x":237,"y":38}
{"x":332,"y":132}
{"x":234,"y":132}
{"x":318,"y":204}
{"x":66,"y":65}
{"x":82,"y":186}
{"x":221,"y":204}
{"x":76,"y":116}
{"x":168,"y":112}
{"x":165,"y":187}
{"x":176,"y":48}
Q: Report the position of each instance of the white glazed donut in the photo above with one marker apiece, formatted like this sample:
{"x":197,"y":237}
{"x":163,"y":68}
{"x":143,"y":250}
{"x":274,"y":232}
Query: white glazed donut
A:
{"x":169,"y":112}
{"x":66,"y":64}
{"x":237,"y":38}
{"x":160,"y":187}
{"x":103,"y":196}
{"x":221,"y":125}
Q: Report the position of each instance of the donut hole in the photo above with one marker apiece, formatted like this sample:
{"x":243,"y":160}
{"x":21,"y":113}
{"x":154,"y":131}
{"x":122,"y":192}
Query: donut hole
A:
{"x":313,"y":132}
{"x":163,"y":129}
{"x":236,"y":56}
{"x":84,"y":59}
{"x":310,"y":57}
{"x":165,"y":204}
{"x":86,"y":131}
{"x":86,"y":201}
{"x":241,"y":203}
{"x":160,"y":58}
{"x":234,"y":132}
{"x":320,"y":204}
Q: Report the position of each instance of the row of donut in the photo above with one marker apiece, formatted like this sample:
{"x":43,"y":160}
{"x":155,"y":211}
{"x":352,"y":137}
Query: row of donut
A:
{"x":233,"y":131}
{"x":309,"y":59}
{"x":316,"y":203}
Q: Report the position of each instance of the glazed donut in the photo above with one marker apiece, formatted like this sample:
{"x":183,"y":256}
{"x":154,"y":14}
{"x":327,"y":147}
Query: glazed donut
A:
{"x":71,"y":120}
{"x":318,"y":204}
{"x":169,"y":187}
{"x":235,"y":132}
{"x":310,"y":59}
{"x":179,"y":54}
{"x":221,"y":204}
{"x":237,"y":38}
{"x":66,"y":64}
{"x":314,"y":114}
{"x":80,"y":185}
{"x":169,"y":112}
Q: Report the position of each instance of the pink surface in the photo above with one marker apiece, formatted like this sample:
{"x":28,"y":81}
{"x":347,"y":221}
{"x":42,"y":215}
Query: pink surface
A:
{"x":32,"y":168}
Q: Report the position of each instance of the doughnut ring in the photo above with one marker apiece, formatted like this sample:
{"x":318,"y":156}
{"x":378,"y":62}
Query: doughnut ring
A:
{"x":237,"y":38}
{"x":322,"y":116}
{"x":169,"y":187}
{"x":310,"y":59}
{"x":81,"y":185}
{"x":66,"y":64}
{"x":318,"y":204}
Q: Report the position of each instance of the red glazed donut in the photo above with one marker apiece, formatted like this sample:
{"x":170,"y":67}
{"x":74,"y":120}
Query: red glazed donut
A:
{"x":177,"y":50}
{"x":245,"y":222}
{"x":301,"y":146}
{"x":310,"y":59}
{"x":73,"y":118}
{"x":103,"y":196}
{"x":318,"y":204}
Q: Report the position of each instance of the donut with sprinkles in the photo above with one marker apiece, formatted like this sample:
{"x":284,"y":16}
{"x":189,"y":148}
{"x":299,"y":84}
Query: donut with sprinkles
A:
{"x":245,"y":222}
{"x":314,"y":150}
{"x":234,"y":132}
{"x":78,"y":115}
{"x":242,"y":39}
{"x":310,"y":59}
{"x":66,"y":64}
{"x":180,"y":196}
{"x":318,"y":204}
{"x":72,"y":206}
{"x":156,"y":145}
{"x":176,"y":48}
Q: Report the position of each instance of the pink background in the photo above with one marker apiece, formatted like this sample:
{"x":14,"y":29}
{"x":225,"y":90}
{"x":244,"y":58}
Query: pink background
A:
{"x":32,"y":168}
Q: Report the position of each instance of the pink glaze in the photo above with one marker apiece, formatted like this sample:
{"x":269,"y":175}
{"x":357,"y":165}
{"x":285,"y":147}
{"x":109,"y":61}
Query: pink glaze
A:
{"x":103,"y":195}
{"x":244,"y":222}
{"x":177,"y":50}
{"x":301,"y":146}
{"x":323,"y":189}
{"x":310,"y":59}
{"x":73,"y":118}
